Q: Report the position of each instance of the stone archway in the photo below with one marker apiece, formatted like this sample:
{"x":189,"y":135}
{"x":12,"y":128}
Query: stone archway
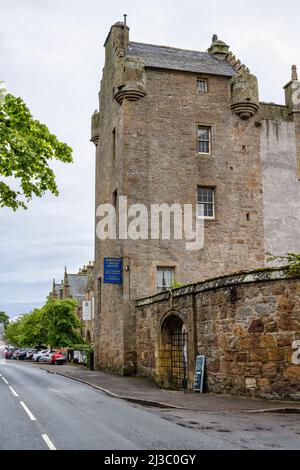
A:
{"x":172,"y":363}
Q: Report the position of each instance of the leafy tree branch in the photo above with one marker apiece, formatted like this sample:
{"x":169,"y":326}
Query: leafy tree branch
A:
{"x":26,"y":149}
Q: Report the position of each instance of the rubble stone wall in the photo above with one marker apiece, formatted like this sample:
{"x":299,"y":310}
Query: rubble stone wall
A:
{"x":247,"y":326}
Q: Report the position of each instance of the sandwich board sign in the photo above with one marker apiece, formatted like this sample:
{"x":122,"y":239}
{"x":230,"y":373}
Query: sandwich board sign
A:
{"x":199,"y":374}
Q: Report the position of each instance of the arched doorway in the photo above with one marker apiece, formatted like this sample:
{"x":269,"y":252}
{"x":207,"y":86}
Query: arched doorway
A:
{"x":173,"y":353}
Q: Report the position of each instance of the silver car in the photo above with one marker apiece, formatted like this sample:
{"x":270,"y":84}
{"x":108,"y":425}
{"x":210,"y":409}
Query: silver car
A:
{"x":46,"y":357}
{"x":37,"y":357}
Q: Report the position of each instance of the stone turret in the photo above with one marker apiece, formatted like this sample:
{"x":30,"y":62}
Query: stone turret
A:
{"x":244,"y":86}
{"x":130,"y":83}
{"x":95,"y":128}
{"x":292,"y":93}
{"x":244,"y":95}
{"x":127,"y":73}
{"x":118,"y":38}
{"x":218,"y":49}
{"x":54,"y":291}
{"x":292,"y":99}
{"x":66,"y":285}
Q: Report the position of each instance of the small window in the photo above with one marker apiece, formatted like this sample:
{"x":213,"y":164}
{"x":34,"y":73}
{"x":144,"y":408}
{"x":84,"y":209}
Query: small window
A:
{"x":204,"y":139}
{"x":202,"y":85}
{"x":165,"y":279}
{"x":206,"y":203}
{"x":115,"y":199}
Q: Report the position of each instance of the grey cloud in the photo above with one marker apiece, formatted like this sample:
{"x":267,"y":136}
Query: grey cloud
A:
{"x":51,"y":55}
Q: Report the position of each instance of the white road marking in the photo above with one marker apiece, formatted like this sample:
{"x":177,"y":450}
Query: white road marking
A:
{"x":4,"y":380}
{"x":27,"y":411}
{"x":13,"y":392}
{"x":48,"y":442}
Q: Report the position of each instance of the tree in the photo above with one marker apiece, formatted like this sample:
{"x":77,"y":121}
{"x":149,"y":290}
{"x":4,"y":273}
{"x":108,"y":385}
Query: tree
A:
{"x":4,"y":319}
{"x":26,"y":148}
{"x":61,"y":323}
{"x":13,"y":333}
{"x":33,"y":330}
{"x":53,"y":325}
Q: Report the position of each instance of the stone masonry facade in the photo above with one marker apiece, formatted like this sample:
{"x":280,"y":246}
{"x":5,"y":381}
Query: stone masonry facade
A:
{"x":145,"y":133}
{"x":246,"y":325}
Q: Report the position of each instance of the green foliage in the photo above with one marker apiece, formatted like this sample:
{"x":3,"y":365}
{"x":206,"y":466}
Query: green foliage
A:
{"x":55,"y":325}
{"x":61,"y":323}
{"x":13,"y":333}
{"x":291,"y":260}
{"x":88,"y":349}
{"x":4,"y":319}
{"x":26,"y":147}
{"x":176,"y":285}
{"x":33,"y":331}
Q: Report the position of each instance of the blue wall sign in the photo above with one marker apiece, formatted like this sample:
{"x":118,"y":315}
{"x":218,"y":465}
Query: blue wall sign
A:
{"x":113,"y":271}
{"x":199,"y":374}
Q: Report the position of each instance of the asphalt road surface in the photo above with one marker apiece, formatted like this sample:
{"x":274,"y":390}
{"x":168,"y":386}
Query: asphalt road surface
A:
{"x":39,"y":411}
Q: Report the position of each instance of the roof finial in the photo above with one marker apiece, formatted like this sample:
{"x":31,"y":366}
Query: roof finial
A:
{"x":214,"y":38}
{"x":294,"y":73}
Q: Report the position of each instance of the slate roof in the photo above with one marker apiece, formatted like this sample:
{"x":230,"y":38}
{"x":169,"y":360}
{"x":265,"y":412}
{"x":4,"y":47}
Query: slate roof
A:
{"x":78,"y":285}
{"x":179,"y":59}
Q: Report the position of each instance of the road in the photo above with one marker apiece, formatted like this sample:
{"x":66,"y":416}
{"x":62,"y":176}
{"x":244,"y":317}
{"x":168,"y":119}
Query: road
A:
{"x":41,"y":411}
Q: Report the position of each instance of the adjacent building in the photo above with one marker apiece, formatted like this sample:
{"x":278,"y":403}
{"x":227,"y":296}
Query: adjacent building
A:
{"x":80,"y":287}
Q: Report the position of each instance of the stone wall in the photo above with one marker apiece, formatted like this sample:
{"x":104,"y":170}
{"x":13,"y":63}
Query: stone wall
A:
{"x":246,"y":325}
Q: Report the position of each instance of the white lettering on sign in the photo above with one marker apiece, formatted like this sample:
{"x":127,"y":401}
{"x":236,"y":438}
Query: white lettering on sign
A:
{"x":296,"y":355}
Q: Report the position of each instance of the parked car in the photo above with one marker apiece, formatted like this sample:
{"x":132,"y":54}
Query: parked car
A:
{"x":46,"y":357}
{"x":36,"y":357}
{"x":30,"y":354}
{"x":22,"y":355}
{"x":9,"y":353}
{"x":16,"y":353}
{"x":58,"y":358}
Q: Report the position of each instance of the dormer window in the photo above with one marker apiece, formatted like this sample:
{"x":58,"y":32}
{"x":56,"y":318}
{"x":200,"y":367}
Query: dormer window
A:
{"x":202,"y":85}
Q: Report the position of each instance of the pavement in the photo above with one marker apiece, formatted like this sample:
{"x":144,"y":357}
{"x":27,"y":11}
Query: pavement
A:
{"x":143,"y":391}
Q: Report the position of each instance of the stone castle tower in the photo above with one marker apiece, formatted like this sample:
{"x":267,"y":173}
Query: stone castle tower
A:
{"x":179,"y":126}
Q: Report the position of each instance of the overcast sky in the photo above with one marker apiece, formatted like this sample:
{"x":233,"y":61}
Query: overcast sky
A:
{"x":51,"y":54}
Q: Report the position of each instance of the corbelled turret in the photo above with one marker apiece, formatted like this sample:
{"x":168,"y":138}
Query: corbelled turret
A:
{"x":95,"y":128}
{"x":130,"y":83}
{"x":244,"y":86}
{"x":244,"y":95}
{"x":218,"y":49}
